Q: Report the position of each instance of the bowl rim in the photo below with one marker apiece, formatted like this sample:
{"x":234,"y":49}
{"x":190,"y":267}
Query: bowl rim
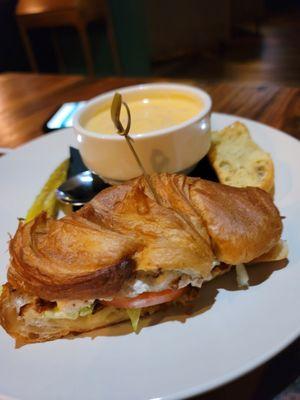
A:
{"x":204,"y":96}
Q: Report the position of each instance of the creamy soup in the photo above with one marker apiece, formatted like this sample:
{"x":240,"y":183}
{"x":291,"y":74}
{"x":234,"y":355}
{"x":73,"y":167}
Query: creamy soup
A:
{"x":156,"y":111}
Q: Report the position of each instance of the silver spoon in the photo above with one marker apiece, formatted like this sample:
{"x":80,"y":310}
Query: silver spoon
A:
{"x":80,"y":189}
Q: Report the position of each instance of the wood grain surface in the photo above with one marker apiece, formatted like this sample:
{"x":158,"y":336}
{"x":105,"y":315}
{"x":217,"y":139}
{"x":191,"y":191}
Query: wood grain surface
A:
{"x":28,"y":100}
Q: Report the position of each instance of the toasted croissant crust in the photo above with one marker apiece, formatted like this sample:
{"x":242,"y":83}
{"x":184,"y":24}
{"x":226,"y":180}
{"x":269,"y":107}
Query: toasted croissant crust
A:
{"x":124,"y":229}
{"x":34,"y":328}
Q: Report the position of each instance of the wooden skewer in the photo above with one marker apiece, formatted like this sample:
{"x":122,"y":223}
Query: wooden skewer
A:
{"x":115,"y":116}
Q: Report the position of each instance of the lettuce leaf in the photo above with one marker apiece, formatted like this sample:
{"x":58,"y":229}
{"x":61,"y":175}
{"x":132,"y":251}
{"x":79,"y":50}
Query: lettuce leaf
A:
{"x":134,"y":315}
{"x":87,"y":310}
{"x":56,"y":313}
{"x":242,"y":276}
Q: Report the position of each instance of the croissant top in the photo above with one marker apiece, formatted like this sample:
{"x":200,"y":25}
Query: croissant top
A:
{"x":92,"y":253}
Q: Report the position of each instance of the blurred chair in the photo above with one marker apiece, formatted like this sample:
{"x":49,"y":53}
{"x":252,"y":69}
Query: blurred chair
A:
{"x":75,"y":13}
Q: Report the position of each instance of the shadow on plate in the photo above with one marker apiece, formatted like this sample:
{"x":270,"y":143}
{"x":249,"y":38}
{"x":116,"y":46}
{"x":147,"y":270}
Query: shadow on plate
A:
{"x":258,"y":273}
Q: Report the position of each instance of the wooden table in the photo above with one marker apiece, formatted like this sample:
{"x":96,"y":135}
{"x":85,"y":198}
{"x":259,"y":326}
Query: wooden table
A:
{"x":28,"y":100}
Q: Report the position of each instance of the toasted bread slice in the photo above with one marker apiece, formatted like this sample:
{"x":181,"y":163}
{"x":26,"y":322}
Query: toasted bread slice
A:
{"x":239,"y":161}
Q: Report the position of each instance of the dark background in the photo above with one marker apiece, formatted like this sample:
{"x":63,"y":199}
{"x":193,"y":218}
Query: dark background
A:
{"x":233,"y":40}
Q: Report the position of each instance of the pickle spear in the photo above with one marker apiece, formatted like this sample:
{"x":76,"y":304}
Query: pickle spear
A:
{"x":46,"y":200}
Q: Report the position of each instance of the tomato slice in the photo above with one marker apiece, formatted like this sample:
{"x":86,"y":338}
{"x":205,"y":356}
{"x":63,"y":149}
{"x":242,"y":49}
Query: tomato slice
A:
{"x":146,"y":299}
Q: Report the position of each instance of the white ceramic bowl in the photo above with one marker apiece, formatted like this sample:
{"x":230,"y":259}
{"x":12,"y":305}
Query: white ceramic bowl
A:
{"x":174,"y":149}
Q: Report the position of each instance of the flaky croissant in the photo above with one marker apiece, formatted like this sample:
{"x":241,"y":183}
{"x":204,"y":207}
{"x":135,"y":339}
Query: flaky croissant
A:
{"x":125,"y":235}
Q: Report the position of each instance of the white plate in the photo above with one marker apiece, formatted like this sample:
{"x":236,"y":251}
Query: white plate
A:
{"x":171,"y":360}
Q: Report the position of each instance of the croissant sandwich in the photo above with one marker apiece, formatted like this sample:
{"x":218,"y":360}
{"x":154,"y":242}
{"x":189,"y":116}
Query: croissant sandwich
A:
{"x":128,"y":252}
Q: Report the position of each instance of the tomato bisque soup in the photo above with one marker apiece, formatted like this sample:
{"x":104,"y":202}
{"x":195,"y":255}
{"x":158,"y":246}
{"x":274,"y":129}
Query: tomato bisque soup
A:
{"x":149,"y":113}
